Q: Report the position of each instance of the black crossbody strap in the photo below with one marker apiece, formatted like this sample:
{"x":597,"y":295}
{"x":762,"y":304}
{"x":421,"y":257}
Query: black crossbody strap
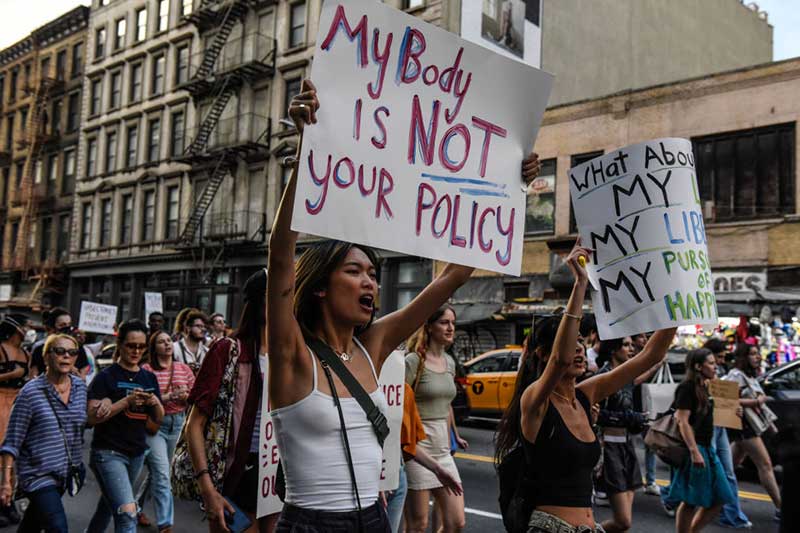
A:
{"x":374,"y":415}
{"x":60,"y":427}
{"x":344,"y":438}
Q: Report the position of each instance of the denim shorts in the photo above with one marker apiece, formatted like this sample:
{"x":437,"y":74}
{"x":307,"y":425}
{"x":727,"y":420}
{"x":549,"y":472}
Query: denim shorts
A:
{"x":297,"y":520}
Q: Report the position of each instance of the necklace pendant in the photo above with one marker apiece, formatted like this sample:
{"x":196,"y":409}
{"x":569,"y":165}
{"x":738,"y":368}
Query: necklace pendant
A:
{"x":345,"y":357}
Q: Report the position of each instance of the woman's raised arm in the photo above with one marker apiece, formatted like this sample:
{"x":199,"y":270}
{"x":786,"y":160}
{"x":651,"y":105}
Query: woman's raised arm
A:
{"x":284,"y":334}
{"x":604,"y":385}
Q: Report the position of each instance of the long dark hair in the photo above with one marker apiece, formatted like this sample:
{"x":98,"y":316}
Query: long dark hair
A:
{"x":532,"y":364}
{"x":693,"y":359}
{"x":742,"y":358}
{"x":418,"y":343}
{"x":126,"y":328}
{"x":253,"y":319}
{"x":313,"y":273}
{"x":607,"y":350}
{"x":155,"y":364}
{"x":49,"y":317}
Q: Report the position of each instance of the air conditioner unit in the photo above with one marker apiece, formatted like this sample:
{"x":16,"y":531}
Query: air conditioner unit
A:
{"x":709,"y":210}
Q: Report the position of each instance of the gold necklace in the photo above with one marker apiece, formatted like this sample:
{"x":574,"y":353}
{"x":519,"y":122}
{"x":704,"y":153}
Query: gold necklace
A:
{"x":571,"y":402}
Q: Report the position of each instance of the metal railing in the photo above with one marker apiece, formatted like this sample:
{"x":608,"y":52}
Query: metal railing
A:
{"x":253,"y":49}
{"x":239,"y":130}
{"x":231,"y":226}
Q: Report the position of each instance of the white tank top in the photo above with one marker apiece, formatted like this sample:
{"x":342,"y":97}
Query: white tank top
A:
{"x":310,"y":442}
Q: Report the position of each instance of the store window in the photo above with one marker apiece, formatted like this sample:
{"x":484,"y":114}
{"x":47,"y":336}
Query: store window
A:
{"x":540,"y":209}
{"x":747,"y":174}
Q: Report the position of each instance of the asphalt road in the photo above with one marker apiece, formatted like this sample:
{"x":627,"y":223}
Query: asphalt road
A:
{"x":480,"y":487}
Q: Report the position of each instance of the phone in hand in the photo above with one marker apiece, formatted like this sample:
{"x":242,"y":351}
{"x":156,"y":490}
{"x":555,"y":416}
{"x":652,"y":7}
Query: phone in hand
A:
{"x":237,"y":521}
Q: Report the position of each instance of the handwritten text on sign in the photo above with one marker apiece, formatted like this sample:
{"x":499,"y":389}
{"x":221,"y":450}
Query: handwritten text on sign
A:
{"x":268,"y":456}
{"x":639,"y":209}
{"x":97,"y":318}
{"x":392,"y":382}
{"x":420,"y":139}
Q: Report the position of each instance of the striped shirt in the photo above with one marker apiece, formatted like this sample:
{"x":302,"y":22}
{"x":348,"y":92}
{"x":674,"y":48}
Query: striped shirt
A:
{"x":183,"y":377}
{"x":34,"y":439}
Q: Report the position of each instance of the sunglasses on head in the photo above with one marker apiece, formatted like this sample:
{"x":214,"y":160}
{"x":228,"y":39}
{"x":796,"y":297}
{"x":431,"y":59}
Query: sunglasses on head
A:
{"x":58,"y":350}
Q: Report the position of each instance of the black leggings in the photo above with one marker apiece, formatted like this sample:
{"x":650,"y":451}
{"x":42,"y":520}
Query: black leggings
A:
{"x":296,"y":520}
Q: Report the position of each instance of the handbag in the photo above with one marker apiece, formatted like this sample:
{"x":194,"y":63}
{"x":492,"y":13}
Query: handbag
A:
{"x":151,"y":425}
{"x":657,"y":395}
{"x":664,"y":438}
{"x":76,"y":474}
{"x":379,"y":424}
{"x":216,"y":436}
{"x":760,"y":420}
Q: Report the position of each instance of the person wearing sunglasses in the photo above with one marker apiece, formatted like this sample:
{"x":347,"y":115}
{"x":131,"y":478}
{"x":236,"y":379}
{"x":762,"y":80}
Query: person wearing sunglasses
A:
{"x":45,"y":437}
{"x":120,"y":399}
{"x":191,"y":348}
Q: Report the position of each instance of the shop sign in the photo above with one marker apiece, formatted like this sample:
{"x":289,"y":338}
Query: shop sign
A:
{"x":739,"y":281}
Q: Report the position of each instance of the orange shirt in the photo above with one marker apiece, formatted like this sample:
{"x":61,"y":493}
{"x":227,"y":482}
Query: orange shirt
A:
{"x":411,"y":431}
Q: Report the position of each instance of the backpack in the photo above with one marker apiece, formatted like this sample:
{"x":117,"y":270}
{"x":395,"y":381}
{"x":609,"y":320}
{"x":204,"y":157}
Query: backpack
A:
{"x":516,"y":498}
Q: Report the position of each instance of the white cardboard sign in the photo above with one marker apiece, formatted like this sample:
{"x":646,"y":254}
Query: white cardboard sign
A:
{"x":419,"y":140}
{"x":268,"y":455}
{"x":640,"y":210}
{"x":392,"y":381}
{"x":152,"y":303}
{"x":97,"y":318}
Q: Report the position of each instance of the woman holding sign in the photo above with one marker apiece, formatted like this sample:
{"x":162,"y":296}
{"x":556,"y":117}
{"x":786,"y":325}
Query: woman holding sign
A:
{"x":550,"y":416}
{"x":330,"y":448}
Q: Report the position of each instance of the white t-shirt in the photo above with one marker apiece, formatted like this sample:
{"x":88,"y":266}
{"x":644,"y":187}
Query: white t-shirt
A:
{"x":182,"y":353}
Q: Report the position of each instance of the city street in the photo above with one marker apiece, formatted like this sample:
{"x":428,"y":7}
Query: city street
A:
{"x":480,"y":486}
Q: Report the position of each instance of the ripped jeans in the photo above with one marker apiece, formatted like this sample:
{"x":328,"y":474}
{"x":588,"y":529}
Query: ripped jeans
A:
{"x":115,"y":473}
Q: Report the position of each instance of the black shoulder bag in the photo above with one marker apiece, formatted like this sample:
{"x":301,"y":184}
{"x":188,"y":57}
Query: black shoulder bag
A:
{"x":329,"y":360}
{"x":76,"y":474}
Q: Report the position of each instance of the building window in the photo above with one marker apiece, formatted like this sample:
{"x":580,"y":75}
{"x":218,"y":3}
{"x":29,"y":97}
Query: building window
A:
{"x":115,"y":97}
{"x":177,"y":134}
{"x":91,"y":156}
{"x":99,"y":43}
{"x":187,"y":6}
{"x":86,"y":226}
{"x":137,"y":70}
{"x":413,"y":4}
{"x":119,"y":33}
{"x":747,"y":174}
{"x":408,"y":278}
{"x":23,"y":118}
{"x":111,"y":151}
{"x":141,"y":25}
{"x":105,"y":222}
{"x":540,"y":207}
{"x":68,"y":181}
{"x":149,"y":216}
{"x":44,"y":67}
{"x":297,"y":24}
{"x":61,"y":64}
{"x":20,"y":168}
{"x":126,"y":227}
{"x":163,"y":15}
{"x":77,"y":60}
{"x":159,"y":63}
{"x":292,"y":89}
{"x":52,"y":167}
{"x":14,"y":235}
{"x":576,"y":160}
{"x":172,"y":213}
{"x":12,"y":90}
{"x":27,"y":79}
{"x":55,"y":117}
{"x":9,"y":132}
{"x":131,"y":159}
{"x":154,"y":140}
{"x":516,"y":290}
{"x":95,"y":95}
{"x":63,"y":237}
{"x":73,"y":109}
{"x":182,"y":65}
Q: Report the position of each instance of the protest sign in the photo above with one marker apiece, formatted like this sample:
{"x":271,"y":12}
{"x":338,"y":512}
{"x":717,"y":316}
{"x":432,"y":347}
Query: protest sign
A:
{"x":268,"y":456}
{"x":726,"y":403}
{"x":392,"y":381}
{"x":152,"y":303}
{"x":97,"y":318}
{"x":639,"y":209}
{"x":426,"y":160}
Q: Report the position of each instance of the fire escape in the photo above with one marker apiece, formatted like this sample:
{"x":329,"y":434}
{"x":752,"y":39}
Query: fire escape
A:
{"x":31,"y":193}
{"x":219,"y":72}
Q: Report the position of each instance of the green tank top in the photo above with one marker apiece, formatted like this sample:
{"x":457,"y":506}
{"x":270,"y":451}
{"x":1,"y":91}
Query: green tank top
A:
{"x":435,"y":390}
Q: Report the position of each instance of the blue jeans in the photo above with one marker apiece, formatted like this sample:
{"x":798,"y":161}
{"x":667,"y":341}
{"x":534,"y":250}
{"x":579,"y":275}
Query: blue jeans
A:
{"x":45,"y":512}
{"x":396,"y":501}
{"x":732,"y":514}
{"x":649,"y":466}
{"x":115,"y":473}
{"x":666,"y":500}
{"x":158,"y":459}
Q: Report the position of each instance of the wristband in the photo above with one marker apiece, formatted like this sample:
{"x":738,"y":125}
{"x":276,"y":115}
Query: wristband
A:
{"x":570,"y":315}
{"x":201,"y":473}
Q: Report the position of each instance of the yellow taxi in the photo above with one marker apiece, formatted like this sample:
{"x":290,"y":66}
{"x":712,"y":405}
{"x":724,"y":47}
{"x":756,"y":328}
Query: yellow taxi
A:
{"x":490,"y":380}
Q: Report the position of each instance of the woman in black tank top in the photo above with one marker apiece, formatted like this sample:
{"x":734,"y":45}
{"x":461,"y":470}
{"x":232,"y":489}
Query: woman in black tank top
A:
{"x":550,"y":416}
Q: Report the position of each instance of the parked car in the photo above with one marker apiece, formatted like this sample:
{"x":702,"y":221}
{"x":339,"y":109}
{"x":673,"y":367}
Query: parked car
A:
{"x":490,"y":381}
{"x":782,"y":384}
{"x":460,"y":403}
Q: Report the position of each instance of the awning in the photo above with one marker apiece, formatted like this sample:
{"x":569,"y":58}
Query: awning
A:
{"x":467,"y":313}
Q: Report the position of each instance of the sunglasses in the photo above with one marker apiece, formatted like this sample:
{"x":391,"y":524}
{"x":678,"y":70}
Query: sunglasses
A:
{"x":135,"y":347}
{"x":58,"y":350}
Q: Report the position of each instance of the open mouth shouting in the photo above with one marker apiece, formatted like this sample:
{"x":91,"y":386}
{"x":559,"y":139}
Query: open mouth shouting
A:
{"x":367,"y":303}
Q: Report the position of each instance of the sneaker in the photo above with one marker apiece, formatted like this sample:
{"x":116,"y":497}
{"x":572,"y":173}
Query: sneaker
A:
{"x":740,"y":525}
{"x":601,"y":500}
{"x":668,"y":509}
{"x":652,"y":490}
{"x":142,"y":520}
